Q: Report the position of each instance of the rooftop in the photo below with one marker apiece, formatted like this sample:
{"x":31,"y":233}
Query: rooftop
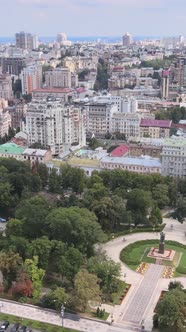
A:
{"x":155,"y":123}
{"x":145,"y":161}
{"x":35,"y":152}
{"x":11,"y":148}
{"x":176,"y":142}
{"x":53,"y":90}
{"x":120,"y":151}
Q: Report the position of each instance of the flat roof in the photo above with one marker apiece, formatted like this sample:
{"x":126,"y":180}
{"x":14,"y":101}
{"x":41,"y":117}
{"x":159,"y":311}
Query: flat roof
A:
{"x":11,"y":148}
{"x":145,"y":161}
{"x":177,"y":142}
{"x":35,"y":152}
{"x":57,"y":90}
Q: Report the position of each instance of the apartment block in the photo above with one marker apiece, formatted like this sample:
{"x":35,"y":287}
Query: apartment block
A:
{"x":174,"y":157}
{"x":155,"y":128}
{"x":126,"y":123}
{"x":99,"y":117}
{"x":61,"y":78}
{"x":6,"y":86}
{"x":54,"y":125}
{"x":25,"y":40}
{"x":31,"y":78}
{"x":13,"y":65}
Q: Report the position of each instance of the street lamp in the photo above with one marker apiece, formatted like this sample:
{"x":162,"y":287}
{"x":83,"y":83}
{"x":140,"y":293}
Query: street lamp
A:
{"x":62,"y":314}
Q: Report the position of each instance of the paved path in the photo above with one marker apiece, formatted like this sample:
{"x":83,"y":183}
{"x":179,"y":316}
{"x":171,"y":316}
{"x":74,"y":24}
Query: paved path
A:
{"x":113,"y":249}
{"x":137,"y":307}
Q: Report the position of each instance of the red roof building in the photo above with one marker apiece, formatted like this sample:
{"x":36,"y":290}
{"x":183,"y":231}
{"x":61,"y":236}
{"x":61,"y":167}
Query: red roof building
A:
{"x":156,"y":123}
{"x":120,"y":151}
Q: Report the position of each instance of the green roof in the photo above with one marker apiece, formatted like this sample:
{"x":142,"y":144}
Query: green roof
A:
{"x":11,"y":148}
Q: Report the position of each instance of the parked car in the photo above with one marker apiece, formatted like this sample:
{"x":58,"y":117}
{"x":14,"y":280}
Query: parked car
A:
{"x":4,"y":326}
{"x":23,"y":328}
{"x":15,"y":328}
{"x":3,"y":220}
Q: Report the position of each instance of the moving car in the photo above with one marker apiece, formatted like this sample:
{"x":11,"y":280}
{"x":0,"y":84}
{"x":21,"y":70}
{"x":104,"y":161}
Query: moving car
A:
{"x":4,"y":326}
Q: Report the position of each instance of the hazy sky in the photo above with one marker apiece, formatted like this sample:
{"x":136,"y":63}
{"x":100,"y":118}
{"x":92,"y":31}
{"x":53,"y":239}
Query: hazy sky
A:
{"x":93,"y":17}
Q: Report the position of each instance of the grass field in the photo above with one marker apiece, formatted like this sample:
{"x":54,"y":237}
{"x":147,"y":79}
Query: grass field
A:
{"x":34,"y":324}
{"x":137,"y":252}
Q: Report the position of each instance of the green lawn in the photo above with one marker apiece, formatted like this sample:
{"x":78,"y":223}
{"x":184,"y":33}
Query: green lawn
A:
{"x":34,"y":324}
{"x":93,"y":315}
{"x":116,"y":297}
{"x":137,"y":252}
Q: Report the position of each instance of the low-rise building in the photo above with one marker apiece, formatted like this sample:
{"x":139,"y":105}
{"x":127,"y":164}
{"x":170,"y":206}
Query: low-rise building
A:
{"x":155,"y":128}
{"x":140,"y":165}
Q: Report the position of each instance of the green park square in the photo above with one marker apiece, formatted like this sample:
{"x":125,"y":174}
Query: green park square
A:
{"x":137,"y":252}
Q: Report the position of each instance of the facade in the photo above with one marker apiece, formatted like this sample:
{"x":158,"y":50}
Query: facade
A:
{"x":54,"y":125}
{"x":5,"y":122}
{"x":174,"y":157}
{"x":126,"y":123}
{"x":11,"y":150}
{"x":17,"y":113}
{"x":99,"y":117}
{"x":155,"y":128}
{"x":26,"y":40}
{"x":13,"y":66}
{"x":61,"y":78}
{"x":141,"y":165}
{"x":6,"y":86}
{"x":31,"y":78}
{"x":129,"y":105}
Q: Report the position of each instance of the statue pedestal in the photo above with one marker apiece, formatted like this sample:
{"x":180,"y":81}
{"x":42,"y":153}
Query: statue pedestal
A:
{"x":161,"y":248}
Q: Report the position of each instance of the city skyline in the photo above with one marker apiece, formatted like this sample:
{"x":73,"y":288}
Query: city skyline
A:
{"x":93,"y":17}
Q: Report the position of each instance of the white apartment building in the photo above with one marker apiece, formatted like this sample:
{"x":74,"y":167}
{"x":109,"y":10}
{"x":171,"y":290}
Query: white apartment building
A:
{"x":6,"y":86}
{"x":126,"y":123}
{"x":61,"y":78}
{"x":53,"y":125}
{"x":31,"y":78}
{"x":99,"y":117}
{"x":129,"y":105}
{"x":174,"y":157}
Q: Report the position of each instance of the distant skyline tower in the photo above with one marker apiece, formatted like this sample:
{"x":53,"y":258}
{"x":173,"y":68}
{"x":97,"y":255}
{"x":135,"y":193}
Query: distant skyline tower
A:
{"x":127,"y":39}
{"x":61,"y":37}
{"x":165,"y":84}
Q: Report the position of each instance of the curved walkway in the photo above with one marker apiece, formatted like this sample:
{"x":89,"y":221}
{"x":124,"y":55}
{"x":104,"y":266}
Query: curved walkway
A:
{"x":113,"y":249}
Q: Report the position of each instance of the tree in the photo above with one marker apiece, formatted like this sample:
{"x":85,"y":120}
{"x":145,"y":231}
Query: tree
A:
{"x":5,"y":196}
{"x":175,"y":285}
{"x":106,"y":270}
{"x":180,"y":212}
{"x":10,"y":262}
{"x":73,"y":178}
{"x":155,"y":217}
{"x":23,"y":286}
{"x":41,"y":248}
{"x":43,"y":173}
{"x":32,"y":212}
{"x":75,"y":226}
{"x":160,"y":195}
{"x":171,"y":311}
{"x":54,"y":299}
{"x":14,"y":227}
{"x":97,"y":192}
{"x":54,"y":183}
{"x":35,"y":274}
{"x":139,"y":201}
{"x":86,"y":289}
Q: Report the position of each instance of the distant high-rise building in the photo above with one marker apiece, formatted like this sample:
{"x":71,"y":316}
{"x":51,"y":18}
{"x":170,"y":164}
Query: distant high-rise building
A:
{"x":165,"y":84}
{"x":61,"y":37}
{"x":181,"y":71}
{"x":26,"y":40}
{"x":127,"y":39}
{"x":6,"y":86}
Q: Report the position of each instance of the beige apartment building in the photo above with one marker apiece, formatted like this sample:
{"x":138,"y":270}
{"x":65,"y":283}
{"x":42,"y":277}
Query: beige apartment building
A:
{"x":155,"y":128}
{"x":31,"y":78}
{"x":126,"y":123}
{"x":61,"y":78}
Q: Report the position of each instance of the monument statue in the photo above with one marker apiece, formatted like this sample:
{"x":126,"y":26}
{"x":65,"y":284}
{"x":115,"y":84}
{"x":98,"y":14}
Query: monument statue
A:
{"x":162,"y":244}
